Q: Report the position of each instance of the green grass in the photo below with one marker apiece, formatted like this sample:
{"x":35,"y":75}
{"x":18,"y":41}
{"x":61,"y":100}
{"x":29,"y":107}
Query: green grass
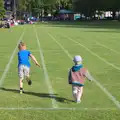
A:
{"x":98,"y":45}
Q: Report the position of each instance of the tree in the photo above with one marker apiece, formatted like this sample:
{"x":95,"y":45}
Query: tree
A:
{"x":2,"y":10}
{"x":88,"y":7}
{"x":64,"y":4}
{"x":43,"y":7}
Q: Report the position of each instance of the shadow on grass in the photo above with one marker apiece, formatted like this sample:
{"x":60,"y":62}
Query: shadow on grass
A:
{"x":42,"y":95}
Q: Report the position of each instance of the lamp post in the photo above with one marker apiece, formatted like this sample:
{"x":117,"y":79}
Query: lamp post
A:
{"x":42,"y":5}
{"x":14,"y":9}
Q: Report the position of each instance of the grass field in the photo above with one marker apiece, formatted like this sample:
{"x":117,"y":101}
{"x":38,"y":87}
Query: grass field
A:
{"x":50,"y":96}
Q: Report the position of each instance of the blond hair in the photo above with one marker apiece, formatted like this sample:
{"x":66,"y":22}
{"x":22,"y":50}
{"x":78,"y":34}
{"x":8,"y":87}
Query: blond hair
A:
{"x":21,"y":45}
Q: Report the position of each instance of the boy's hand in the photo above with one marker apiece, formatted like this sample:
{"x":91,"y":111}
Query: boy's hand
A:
{"x":38,"y":64}
{"x":34,"y":59}
{"x":91,"y":80}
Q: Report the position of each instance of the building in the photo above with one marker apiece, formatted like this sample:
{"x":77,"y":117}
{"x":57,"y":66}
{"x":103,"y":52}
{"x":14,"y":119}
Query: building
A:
{"x":9,"y":5}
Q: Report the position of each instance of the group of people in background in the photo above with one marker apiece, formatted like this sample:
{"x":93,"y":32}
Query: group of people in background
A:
{"x":7,"y":24}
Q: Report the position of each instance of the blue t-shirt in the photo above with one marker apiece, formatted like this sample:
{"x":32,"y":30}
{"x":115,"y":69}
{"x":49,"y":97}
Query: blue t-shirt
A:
{"x":23,"y":58}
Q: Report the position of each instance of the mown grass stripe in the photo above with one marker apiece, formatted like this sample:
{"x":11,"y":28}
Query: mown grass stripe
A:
{"x":54,"y":109}
{"x":54,"y":104}
{"x":93,"y":53}
{"x":111,"y":97}
{"x":10,"y":60}
{"x":104,"y":46}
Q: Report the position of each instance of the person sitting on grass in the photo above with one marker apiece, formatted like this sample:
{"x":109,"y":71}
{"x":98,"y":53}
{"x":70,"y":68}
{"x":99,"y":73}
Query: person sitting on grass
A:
{"x":24,"y":64}
{"x":76,"y":78}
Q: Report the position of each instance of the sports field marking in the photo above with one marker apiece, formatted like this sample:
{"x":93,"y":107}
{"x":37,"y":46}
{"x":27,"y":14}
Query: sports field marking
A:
{"x":87,"y":49}
{"x":34,"y":50}
{"x":114,"y":85}
{"x":107,"y":47}
{"x":47,"y":50}
{"x":54,"y":104}
{"x":60,"y":46}
{"x":104,"y":46}
{"x":112,"y":98}
{"x":10,"y":60}
{"x":54,"y":109}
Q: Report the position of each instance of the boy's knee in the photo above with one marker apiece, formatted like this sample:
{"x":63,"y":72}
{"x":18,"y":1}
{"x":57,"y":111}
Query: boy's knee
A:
{"x":74,"y":92}
{"x":21,"y":76}
{"x":21,"y":79}
{"x":27,"y":77}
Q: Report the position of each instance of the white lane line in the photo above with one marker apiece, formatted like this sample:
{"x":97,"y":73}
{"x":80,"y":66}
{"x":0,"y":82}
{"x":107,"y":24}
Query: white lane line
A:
{"x":107,"y":47}
{"x":61,"y":46}
{"x":54,"y":109}
{"x":87,"y":49}
{"x":112,"y":98}
{"x":114,"y":85}
{"x":10,"y":61}
{"x":54,"y":104}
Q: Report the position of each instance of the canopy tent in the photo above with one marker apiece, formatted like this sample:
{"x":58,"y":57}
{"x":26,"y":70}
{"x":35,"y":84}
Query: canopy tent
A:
{"x":64,"y":11}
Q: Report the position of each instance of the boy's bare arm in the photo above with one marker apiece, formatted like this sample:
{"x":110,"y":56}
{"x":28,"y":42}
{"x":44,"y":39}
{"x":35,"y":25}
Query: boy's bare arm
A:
{"x":34,"y":59}
{"x":88,"y":76}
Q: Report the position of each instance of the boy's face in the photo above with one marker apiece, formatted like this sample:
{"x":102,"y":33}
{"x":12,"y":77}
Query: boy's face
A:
{"x":77,"y":63}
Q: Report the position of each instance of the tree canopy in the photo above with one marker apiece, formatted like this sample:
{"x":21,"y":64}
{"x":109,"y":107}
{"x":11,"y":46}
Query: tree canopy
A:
{"x":48,"y":6}
{"x":88,"y":7}
{"x":2,"y":10}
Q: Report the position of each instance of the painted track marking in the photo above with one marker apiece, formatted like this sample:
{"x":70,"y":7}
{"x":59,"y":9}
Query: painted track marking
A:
{"x":54,"y":104}
{"x":112,"y":98}
{"x":10,"y":61}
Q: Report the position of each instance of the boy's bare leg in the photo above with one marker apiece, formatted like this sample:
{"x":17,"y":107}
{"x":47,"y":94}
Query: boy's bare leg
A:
{"x":28,"y":80}
{"x":79,"y":94}
{"x":27,"y":75}
{"x":21,"y":86}
{"x":74,"y":91}
{"x":21,"y":83}
{"x":75,"y":96}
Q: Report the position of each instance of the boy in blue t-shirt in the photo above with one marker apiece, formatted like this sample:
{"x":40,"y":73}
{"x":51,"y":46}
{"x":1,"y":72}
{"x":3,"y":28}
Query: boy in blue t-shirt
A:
{"x":24,"y":64}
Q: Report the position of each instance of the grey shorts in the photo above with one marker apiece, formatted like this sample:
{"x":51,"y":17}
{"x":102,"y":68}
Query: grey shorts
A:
{"x":23,"y":71}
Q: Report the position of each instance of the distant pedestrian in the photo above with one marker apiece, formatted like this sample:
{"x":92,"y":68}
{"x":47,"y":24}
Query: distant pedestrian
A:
{"x":8,"y":25}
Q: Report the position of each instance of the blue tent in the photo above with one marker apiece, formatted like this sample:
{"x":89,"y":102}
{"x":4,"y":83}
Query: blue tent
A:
{"x":64,"y":11}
